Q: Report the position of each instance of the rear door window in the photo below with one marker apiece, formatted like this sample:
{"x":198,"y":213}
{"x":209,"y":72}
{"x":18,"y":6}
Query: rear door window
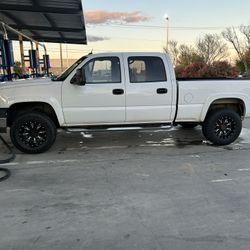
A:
{"x":146,"y":69}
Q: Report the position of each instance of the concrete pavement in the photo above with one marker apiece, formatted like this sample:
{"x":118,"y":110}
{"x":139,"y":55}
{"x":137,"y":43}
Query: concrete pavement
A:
{"x":129,"y":190}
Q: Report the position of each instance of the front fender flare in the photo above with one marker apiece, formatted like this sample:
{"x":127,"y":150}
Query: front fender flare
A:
{"x":51,"y":101}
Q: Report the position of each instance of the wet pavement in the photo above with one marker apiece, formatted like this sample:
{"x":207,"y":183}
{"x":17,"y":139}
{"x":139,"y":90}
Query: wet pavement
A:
{"x":129,"y":190}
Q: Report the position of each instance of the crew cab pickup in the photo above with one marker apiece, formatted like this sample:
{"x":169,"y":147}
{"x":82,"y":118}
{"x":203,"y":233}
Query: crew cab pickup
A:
{"x":119,"y":90}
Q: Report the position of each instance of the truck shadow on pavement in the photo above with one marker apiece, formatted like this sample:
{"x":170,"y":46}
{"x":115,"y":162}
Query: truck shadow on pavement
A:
{"x":173,"y":138}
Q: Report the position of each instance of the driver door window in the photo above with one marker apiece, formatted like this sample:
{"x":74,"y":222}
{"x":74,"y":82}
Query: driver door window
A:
{"x":103,"y":70}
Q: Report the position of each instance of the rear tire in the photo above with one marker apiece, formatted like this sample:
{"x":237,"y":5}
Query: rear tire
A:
{"x":222,"y":126}
{"x":33,"y":133}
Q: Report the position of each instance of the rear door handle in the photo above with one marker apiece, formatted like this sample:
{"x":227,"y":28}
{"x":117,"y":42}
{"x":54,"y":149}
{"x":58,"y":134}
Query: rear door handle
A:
{"x":162,"y":91}
{"x":118,"y":91}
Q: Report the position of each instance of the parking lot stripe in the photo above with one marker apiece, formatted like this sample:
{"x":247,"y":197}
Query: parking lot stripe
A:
{"x":50,"y":162}
{"x":221,"y":180}
{"x":11,"y":164}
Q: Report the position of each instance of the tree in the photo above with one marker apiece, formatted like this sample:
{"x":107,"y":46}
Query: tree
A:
{"x":239,"y":45}
{"x":211,"y":48}
{"x":245,"y":30}
{"x":202,"y":60}
{"x":173,"y":50}
{"x":183,"y":55}
{"x":240,"y":63}
{"x":188,"y":55}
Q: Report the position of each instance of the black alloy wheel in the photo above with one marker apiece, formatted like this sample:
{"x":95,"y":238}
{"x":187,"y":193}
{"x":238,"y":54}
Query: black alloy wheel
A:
{"x":33,"y":133}
{"x":222,"y":126}
{"x":225,"y":127}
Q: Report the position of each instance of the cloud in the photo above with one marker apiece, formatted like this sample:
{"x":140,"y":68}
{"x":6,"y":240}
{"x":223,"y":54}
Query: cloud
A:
{"x":102,"y":16}
{"x":96,"y":38}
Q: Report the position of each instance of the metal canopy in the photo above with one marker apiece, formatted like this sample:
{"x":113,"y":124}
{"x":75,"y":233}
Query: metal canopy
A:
{"x":59,"y":21}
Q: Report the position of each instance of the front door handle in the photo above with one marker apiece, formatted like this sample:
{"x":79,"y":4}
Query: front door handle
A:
{"x":162,"y":91}
{"x":118,"y":91}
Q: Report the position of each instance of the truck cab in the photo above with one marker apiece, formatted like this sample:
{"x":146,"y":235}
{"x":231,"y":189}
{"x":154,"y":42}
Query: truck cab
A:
{"x":120,"y":89}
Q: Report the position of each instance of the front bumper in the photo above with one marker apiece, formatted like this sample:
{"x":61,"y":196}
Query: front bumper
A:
{"x":3,"y":120}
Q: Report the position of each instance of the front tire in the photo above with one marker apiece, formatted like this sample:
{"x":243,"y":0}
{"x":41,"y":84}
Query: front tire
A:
{"x":222,"y":126}
{"x":33,"y":133}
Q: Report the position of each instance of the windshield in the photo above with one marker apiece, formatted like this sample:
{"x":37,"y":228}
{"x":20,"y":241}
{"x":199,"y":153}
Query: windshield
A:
{"x":65,"y":74}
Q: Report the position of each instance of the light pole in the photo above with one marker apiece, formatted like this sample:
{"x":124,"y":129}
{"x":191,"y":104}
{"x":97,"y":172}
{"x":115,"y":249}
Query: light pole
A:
{"x":166,"y":17}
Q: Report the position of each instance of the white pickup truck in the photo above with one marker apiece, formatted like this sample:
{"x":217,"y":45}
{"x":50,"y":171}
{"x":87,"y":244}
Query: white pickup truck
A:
{"x":120,"y":90}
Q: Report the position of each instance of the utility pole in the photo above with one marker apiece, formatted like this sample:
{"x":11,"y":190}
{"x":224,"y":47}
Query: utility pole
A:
{"x":166,"y":17}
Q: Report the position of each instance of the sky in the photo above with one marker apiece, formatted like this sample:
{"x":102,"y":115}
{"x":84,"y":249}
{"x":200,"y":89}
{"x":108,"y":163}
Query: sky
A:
{"x":130,"y":25}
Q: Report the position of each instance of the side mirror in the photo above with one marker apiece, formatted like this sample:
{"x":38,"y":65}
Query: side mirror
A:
{"x":79,"y":78}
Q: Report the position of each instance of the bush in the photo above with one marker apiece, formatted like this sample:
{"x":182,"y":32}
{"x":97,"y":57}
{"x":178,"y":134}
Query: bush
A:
{"x":193,"y":70}
{"x":224,"y":69}
{"x":178,"y":70}
{"x":17,"y":68}
{"x":202,"y":70}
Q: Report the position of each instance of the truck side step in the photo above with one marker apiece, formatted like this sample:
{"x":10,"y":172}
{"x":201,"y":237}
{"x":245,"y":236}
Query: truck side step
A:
{"x":118,"y":129}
